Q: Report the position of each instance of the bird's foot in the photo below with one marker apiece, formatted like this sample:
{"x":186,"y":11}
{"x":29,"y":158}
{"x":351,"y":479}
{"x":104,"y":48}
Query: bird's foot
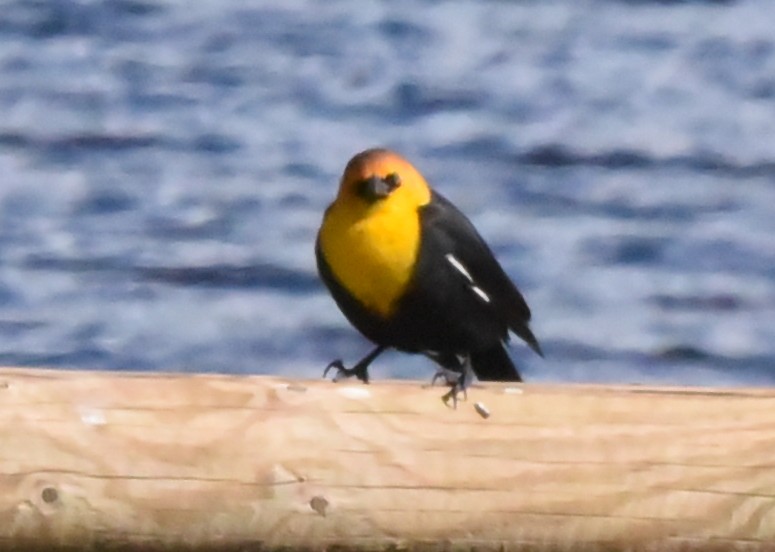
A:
{"x":359,"y":371}
{"x":457,"y":383}
{"x":454,"y":391}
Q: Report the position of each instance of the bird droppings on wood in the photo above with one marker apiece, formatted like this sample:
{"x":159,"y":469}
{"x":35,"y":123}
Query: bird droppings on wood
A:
{"x":512,"y":391}
{"x":319,"y":504}
{"x":355,"y":392}
{"x":482,"y":410}
{"x":92,"y":416}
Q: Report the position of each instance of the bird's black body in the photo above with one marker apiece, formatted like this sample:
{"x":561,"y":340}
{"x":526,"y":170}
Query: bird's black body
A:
{"x":459,"y":303}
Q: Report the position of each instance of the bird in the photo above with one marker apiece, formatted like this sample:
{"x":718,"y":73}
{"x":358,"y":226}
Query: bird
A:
{"x":410,"y":271}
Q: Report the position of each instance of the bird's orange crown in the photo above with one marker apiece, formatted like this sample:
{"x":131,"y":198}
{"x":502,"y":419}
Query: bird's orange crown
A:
{"x":402,"y":182}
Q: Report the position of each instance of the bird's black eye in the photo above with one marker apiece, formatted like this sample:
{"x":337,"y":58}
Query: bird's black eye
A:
{"x":393,"y":180}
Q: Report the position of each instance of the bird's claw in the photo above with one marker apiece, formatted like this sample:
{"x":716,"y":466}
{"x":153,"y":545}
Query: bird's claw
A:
{"x":334,"y":364}
{"x":456,"y":382}
{"x":452,"y":395}
{"x":343,"y":373}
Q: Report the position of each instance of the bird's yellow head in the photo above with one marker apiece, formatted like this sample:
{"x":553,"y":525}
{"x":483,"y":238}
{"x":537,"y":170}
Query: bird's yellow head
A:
{"x":376,"y":178}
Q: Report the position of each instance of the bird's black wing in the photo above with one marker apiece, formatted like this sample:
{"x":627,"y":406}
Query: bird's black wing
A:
{"x":452,"y":239}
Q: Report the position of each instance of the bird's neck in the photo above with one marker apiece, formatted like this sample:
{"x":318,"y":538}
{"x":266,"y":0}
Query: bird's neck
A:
{"x":372,"y":253}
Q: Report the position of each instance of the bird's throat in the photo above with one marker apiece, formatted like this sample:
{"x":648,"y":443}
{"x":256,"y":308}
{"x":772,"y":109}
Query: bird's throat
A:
{"x":373,"y":256}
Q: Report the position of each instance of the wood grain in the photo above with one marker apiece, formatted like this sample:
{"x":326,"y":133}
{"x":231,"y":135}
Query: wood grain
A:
{"x":211,"y":462}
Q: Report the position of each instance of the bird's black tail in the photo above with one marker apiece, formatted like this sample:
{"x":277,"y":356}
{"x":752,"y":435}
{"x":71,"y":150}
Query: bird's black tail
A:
{"x":494,"y":365}
{"x":524,"y":331}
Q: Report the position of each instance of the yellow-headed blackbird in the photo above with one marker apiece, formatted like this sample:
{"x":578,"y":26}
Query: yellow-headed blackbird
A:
{"x":410,"y":271}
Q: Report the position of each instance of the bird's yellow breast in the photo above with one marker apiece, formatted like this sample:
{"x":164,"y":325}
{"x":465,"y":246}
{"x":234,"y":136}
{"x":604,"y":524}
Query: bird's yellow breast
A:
{"x":372,"y":254}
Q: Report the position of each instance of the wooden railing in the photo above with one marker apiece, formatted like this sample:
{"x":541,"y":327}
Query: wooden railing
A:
{"x":118,"y":461}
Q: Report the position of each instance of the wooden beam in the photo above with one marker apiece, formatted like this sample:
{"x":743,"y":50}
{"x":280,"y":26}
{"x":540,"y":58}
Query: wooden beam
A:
{"x":211,"y":462}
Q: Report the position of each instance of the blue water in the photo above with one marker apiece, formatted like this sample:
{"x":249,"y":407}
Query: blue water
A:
{"x":165,"y":165}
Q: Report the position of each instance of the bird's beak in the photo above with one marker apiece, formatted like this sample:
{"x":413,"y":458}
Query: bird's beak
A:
{"x":375,"y":188}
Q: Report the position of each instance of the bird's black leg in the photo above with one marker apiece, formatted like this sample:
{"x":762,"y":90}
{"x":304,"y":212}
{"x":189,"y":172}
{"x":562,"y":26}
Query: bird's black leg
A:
{"x":457,"y":372}
{"x":461,"y":385}
{"x":448,"y":369}
{"x":360,"y":370}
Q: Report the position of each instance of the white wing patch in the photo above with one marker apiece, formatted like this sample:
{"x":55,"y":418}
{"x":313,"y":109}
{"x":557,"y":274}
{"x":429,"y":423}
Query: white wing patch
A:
{"x":459,"y":267}
{"x":480,"y":292}
{"x":464,"y":271}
